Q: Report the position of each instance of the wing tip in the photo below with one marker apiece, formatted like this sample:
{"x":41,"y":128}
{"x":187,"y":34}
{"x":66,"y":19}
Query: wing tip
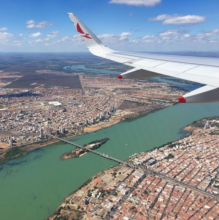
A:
{"x":70,"y":14}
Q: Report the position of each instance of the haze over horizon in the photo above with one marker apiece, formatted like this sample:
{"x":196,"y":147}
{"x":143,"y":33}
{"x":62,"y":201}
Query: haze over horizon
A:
{"x":143,"y":25}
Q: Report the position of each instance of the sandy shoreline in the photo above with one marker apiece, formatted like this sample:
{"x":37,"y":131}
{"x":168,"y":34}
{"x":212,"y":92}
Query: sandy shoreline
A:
{"x":102,"y":125}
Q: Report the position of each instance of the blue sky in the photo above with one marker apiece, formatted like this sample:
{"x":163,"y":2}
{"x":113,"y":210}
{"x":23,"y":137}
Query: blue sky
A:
{"x":134,"y":25}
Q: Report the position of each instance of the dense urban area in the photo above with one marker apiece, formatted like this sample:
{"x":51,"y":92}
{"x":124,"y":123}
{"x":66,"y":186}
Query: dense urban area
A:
{"x":177,"y":181}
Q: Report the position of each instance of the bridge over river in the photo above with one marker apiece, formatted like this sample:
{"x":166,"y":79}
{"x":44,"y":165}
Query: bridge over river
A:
{"x":89,"y":150}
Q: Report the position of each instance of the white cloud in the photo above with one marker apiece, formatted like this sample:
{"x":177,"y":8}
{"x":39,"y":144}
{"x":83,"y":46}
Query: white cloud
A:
{"x":178,"y":19}
{"x":172,"y":32}
{"x":215,"y":31}
{"x":115,"y":38}
{"x":211,"y":33}
{"x":159,"y":17}
{"x":38,"y":25}
{"x":71,"y":38}
{"x":146,"y":37}
{"x":125,"y":35}
{"x":5,"y":37}
{"x":208,"y":34}
{"x":37,"y":34}
{"x":136,"y":2}
{"x":21,"y":35}
{"x":186,"y":35}
{"x":52,"y":35}
{"x":17,"y":43}
{"x":185,"y":20}
{"x":3,"y":29}
{"x":150,"y":39}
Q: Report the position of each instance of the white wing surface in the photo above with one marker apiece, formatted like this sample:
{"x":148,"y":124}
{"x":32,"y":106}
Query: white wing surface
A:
{"x":203,"y":70}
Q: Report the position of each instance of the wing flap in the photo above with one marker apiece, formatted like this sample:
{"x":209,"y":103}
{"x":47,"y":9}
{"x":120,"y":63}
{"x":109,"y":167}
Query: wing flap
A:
{"x":137,"y":74}
{"x":203,"y":75}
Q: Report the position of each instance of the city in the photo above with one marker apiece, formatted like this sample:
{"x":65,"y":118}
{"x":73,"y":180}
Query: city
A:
{"x":176,"y":181}
{"x":101,"y":101}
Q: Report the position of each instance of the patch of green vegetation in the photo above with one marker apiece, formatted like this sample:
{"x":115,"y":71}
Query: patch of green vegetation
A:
{"x":12,"y":153}
{"x":172,"y":145}
{"x":15,"y":151}
{"x":103,"y":193}
{"x":214,"y":133}
{"x":198,"y":124}
{"x":89,"y":193}
{"x":146,"y":192}
{"x":115,"y":193}
{"x":114,"y":174}
{"x":3,"y":161}
{"x":56,"y":143}
{"x":170,"y":156}
{"x":216,"y":186}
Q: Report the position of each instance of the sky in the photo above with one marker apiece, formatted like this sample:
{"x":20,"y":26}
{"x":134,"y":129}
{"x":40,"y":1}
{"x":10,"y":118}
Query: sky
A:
{"x":128,"y":25}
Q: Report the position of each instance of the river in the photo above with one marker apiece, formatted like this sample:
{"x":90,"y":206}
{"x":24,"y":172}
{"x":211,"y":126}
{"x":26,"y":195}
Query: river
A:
{"x":83,"y":68}
{"x":33,"y":186}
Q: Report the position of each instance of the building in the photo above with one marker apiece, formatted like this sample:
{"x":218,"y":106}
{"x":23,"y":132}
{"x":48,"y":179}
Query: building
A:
{"x":10,"y":141}
{"x":55,"y":103}
{"x":207,"y":125}
{"x":41,"y":133}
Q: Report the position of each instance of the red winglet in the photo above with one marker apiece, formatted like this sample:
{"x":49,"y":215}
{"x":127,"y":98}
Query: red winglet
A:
{"x":182,"y":99}
{"x":119,"y":76}
{"x":79,"y":29}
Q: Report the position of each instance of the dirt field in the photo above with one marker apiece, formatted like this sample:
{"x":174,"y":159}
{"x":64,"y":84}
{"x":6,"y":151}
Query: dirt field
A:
{"x":47,"y":80}
{"x":130,"y":104}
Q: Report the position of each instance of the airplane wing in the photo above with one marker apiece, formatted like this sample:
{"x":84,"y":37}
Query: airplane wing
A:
{"x":203,"y":70}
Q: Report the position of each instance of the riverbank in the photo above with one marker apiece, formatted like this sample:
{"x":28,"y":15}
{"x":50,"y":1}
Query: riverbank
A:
{"x":102,"y":125}
{"x":16,"y":152}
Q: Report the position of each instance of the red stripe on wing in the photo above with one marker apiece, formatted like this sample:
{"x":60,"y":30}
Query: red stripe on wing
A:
{"x":79,"y":29}
{"x":87,"y":36}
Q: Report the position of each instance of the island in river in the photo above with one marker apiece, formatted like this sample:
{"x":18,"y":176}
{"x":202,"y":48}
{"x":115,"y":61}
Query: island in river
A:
{"x":78,"y":152}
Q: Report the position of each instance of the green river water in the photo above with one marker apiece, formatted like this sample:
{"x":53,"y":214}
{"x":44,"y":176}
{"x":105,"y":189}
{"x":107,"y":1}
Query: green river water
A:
{"x":32,"y":187}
